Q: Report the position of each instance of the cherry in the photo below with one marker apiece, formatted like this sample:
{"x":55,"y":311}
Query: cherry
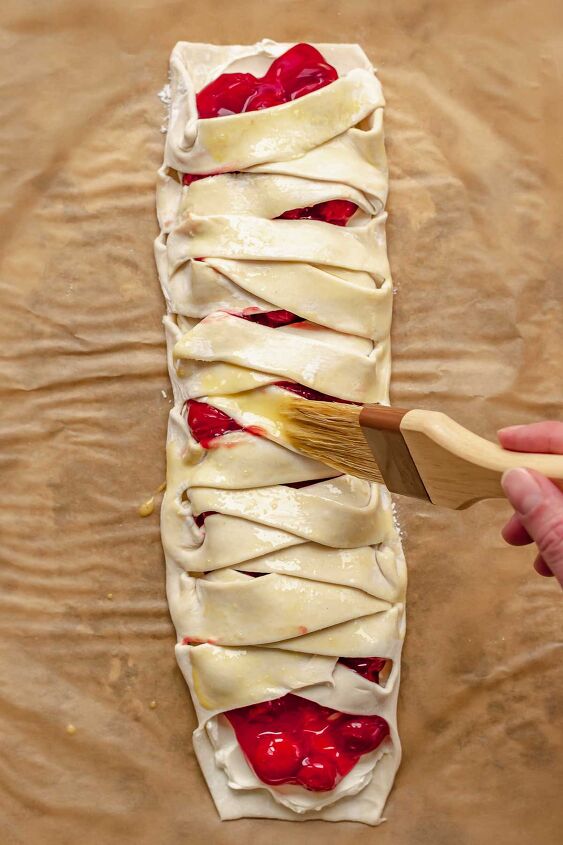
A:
{"x":309,"y":392}
{"x":318,"y":774}
{"x":188,"y":178}
{"x":337,"y":212}
{"x":264,"y":98}
{"x":228,"y":94}
{"x":294,"y":213}
{"x":206,"y":422}
{"x":367,"y":667}
{"x":314,"y":716}
{"x":361,"y":734}
{"x":322,"y":740}
{"x":272,"y":319}
{"x":200,"y":518}
{"x":265,"y":710}
{"x":301,"y":70}
{"x":277,"y":757}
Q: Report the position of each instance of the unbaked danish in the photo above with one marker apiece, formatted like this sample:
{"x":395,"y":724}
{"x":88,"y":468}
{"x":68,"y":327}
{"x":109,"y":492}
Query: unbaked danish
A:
{"x":286,"y":584}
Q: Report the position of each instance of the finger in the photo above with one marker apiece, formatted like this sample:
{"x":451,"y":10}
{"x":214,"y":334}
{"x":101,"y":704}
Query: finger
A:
{"x":514,"y":532}
{"x":538,"y":437}
{"x":539,"y":506}
{"x":542,"y":568}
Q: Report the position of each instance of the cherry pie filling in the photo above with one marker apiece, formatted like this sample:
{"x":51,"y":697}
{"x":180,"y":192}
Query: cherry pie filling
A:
{"x":288,"y":740}
{"x":337,"y":212}
{"x":291,"y":740}
{"x":299,"y":71}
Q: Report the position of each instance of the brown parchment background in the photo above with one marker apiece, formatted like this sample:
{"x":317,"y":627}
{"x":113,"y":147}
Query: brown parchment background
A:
{"x":474,"y":138}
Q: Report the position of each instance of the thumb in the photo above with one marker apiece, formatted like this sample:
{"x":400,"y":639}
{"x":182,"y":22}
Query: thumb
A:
{"x":539,"y":506}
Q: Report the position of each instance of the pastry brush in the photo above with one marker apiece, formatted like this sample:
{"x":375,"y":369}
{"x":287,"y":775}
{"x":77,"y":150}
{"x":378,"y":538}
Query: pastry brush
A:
{"x":423,"y":454}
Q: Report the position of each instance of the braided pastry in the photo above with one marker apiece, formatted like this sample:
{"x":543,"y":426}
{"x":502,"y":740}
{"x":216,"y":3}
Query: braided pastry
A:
{"x":286,"y":584}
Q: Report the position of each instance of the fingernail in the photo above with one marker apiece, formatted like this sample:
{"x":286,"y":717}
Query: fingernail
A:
{"x":542,"y":568}
{"x":522,"y":489}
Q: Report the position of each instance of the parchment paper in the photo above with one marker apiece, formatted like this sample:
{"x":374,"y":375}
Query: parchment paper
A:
{"x":474,"y":127}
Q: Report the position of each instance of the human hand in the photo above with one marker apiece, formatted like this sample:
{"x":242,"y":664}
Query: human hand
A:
{"x":537,"y":502}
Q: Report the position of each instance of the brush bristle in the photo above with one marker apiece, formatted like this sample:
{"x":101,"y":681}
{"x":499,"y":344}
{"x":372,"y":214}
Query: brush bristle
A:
{"x":331,"y":433}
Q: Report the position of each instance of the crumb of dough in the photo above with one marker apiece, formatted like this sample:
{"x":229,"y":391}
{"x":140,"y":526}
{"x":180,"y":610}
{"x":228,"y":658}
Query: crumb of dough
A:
{"x":71,"y":730}
{"x":152,"y":705}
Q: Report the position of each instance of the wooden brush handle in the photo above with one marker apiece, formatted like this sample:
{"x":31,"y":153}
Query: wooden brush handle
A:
{"x":457,"y":467}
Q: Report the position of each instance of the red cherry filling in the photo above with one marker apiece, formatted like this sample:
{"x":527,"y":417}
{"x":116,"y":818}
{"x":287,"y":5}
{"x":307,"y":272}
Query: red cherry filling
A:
{"x":200,"y":518}
{"x":299,"y":71}
{"x":188,"y":178}
{"x":292,"y":740}
{"x":272,"y":319}
{"x":309,"y":392}
{"x":263,"y":712}
{"x":361,"y":734}
{"x":337,"y":212}
{"x":367,"y":667}
{"x":318,"y":774}
{"x":206,"y":422}
{"x":277,"y":757}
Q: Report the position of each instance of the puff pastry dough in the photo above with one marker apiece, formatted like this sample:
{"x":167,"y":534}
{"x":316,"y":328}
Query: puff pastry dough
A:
{"x":335,"y":574}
